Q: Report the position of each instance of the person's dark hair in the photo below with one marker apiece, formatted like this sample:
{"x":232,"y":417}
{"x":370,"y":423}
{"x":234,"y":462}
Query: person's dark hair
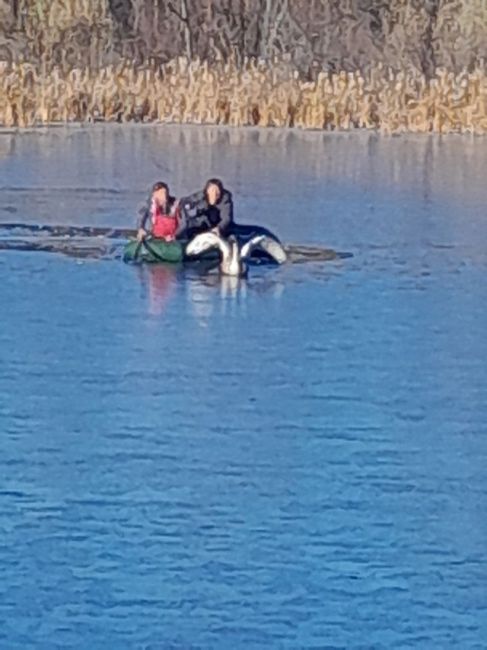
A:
{"x":214,"y":181}
{"x":160,"y":186}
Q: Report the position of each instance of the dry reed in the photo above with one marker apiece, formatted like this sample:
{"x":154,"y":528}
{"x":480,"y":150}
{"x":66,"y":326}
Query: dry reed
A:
{"x":255,"y":94}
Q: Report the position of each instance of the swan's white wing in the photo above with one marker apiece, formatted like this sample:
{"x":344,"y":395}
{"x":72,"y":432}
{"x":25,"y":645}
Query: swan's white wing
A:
{"x":205,"y":241}
{"x":268,"y":244}
{"x":248,"y":247}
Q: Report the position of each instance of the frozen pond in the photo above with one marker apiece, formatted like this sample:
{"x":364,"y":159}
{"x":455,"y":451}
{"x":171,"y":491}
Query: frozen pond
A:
{"x":296,"y":461}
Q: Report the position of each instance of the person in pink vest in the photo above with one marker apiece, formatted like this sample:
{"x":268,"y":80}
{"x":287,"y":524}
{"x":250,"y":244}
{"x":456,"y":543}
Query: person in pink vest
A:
{"x":160,"y":216}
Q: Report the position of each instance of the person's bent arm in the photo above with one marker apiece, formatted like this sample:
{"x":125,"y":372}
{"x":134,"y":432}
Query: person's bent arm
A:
{"x":189,"y":206}
{"x":192,"y":202}
{"x":144,"y":214}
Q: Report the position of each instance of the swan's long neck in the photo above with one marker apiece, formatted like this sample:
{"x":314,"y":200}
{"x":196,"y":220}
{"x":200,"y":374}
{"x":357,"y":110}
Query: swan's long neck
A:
{"x":231,"y":261}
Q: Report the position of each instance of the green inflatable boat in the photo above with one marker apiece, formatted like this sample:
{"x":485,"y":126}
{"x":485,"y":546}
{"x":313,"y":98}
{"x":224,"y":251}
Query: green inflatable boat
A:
{"x":154,"y":250}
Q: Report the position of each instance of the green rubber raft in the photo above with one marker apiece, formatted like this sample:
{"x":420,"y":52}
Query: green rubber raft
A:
{"x":154,"y":250}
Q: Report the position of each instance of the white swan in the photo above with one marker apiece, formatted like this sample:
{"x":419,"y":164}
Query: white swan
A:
{"x":232,"y":255}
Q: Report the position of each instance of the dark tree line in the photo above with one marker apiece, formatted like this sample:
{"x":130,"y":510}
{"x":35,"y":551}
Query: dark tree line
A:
{"x":311,"y":35}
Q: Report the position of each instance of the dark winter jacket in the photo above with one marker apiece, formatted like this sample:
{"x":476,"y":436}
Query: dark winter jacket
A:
{"x":197,"y":215}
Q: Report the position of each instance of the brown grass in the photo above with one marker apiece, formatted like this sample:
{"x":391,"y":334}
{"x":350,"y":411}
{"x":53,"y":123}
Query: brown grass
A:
{"x":257,"y":94}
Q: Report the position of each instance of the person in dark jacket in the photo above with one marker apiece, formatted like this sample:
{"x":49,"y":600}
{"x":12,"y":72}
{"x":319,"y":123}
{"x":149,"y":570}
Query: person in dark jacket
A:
{"x":210,"y":209}
{"x":161,"y":214}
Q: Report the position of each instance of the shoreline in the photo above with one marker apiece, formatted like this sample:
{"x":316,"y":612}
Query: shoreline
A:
{"x":226,"y":128}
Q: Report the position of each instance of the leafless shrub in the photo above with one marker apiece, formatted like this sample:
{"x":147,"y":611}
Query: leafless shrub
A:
{"x":224,"y":93}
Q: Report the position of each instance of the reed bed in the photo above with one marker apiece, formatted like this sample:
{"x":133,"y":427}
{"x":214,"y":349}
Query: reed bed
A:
{"x":269,"y":95}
